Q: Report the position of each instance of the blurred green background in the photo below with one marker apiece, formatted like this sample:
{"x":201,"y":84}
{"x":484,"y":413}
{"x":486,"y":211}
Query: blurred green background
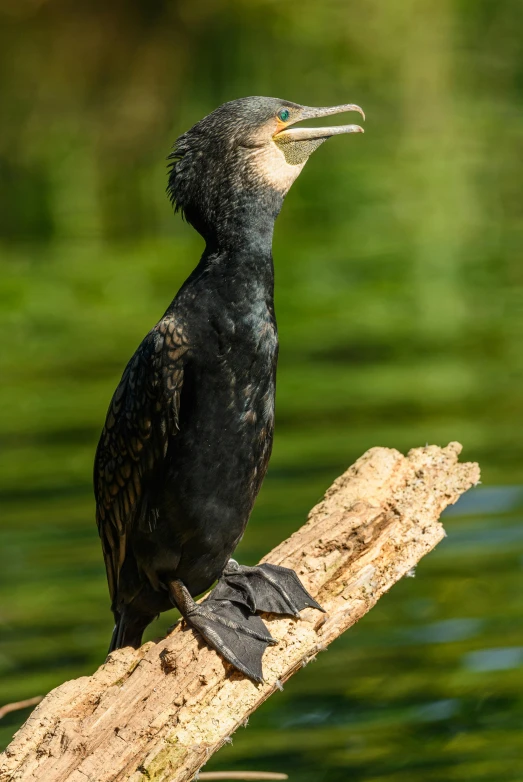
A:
{"x":399,"y":298}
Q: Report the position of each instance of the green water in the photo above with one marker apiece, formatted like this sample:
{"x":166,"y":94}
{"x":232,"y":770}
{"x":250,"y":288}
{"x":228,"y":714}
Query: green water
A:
{"x":399,"y":298}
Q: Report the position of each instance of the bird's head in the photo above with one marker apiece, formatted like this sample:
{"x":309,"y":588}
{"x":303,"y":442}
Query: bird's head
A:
{"x":243,"y":156}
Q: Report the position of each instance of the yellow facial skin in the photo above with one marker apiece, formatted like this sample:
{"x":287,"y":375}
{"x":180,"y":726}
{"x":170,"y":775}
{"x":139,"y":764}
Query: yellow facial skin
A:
{"x":280,"y":151}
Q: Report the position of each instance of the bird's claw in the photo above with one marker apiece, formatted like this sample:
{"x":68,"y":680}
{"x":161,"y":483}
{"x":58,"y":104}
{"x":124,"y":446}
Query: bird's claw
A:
{"x":238,"y":635}
{"x":227,"y":619}
{"x":267,"y":588}
{"x":241,"y":638}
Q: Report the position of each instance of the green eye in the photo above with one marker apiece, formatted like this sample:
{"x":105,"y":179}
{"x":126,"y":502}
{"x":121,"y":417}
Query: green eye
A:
{"x":283,"y":115}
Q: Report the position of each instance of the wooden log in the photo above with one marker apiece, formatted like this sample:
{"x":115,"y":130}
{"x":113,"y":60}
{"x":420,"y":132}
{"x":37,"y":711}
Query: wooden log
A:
{"x":160,"y":712}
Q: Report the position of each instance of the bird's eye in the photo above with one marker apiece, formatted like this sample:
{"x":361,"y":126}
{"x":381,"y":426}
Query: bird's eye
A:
{"x":283,"y":115}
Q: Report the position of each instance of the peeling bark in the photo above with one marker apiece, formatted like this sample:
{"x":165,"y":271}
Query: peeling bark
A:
{"x":160,"y":712}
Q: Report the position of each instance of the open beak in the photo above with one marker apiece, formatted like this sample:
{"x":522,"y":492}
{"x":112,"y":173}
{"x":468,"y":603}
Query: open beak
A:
{"x":306,"y":134}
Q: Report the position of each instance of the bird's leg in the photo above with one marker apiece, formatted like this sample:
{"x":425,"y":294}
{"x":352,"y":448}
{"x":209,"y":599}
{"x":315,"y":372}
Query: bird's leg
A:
{"x":228,"y":628}
{"x":269,"y":588}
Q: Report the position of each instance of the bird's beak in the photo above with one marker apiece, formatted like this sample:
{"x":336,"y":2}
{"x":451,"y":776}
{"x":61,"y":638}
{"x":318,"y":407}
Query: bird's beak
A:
{"x":306,"y":134}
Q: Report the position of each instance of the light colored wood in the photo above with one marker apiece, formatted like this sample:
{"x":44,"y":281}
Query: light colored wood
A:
{"x":160,"y":712}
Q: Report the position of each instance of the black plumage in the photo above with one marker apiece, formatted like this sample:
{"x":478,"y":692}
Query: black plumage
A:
{"x":189,"y":430}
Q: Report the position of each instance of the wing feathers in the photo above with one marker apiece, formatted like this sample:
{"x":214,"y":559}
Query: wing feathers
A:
{"x":143,"y":416}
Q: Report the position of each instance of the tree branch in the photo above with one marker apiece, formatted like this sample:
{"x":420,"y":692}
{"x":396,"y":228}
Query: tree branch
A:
{"x":8,"y":707}
{"x":160,"y":712}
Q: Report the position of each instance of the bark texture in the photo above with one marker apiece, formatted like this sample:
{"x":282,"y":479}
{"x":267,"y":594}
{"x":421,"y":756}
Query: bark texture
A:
{"x":160,"y":712}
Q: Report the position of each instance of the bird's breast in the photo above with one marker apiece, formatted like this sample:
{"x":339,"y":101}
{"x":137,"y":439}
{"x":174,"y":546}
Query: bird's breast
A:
{"x":227,"y":407}
{"x":246,"y":376}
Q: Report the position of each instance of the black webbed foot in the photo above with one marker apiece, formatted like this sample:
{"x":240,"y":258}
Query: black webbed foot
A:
{"x":241,"y":638}
{"x":268,"y":588}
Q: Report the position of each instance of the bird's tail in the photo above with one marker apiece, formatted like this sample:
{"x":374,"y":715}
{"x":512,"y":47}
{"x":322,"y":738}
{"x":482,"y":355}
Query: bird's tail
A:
{"x":128,"y":629}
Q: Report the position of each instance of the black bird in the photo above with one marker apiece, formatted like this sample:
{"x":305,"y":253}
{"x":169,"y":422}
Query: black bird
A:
{"x":189,"y":430}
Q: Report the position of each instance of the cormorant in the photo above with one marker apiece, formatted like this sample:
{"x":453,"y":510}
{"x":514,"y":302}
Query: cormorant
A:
{"x":189,"y":430}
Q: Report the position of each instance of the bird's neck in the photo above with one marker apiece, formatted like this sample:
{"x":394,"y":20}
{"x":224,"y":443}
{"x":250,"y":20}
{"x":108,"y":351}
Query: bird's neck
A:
{"x":239,"y":246}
